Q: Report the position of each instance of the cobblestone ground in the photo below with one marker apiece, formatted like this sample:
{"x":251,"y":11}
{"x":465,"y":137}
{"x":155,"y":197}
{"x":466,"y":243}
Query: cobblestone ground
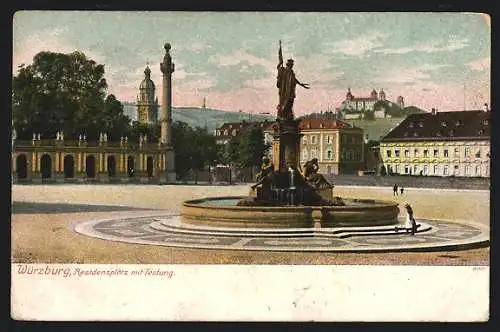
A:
{"x":43,"y":216}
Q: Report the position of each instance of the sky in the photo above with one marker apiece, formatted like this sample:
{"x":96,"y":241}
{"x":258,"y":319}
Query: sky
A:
{"x":437,"y":60}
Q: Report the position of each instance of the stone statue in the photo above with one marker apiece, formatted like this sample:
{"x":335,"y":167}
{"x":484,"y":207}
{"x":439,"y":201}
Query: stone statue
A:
{"x":313,"y":178}
{"x":286,"y":83}
{"x":265,"y":176}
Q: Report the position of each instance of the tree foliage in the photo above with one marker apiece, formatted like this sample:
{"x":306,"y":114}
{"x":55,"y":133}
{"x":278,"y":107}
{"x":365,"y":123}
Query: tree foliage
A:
{"x":194,"y":148}
{"x":248,"y":148}
{"x":65,"y":92}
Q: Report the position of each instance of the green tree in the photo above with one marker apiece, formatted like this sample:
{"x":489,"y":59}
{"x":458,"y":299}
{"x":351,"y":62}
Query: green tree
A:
{"x":248,"y":148}
{"x":64,"y":92}
{"x":183,"y":147}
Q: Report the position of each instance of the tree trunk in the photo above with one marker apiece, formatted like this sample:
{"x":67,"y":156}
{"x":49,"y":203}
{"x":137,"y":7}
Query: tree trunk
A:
{"x":196,"y":176}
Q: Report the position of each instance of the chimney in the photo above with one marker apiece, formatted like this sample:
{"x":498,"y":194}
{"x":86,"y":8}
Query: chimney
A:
{"x":485,"y":107}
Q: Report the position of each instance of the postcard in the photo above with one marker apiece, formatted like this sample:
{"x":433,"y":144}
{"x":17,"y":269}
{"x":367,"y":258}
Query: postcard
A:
{"x":250,"y":166}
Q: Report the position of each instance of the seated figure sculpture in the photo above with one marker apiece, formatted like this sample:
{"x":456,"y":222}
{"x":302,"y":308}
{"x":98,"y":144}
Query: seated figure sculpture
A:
{"x":265,"y":179}
{"x":313,"y":178}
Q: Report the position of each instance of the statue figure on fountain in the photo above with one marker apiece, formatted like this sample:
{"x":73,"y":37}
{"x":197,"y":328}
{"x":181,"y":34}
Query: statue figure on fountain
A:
{"x":313,"y":178}
{"x":286,"y":83}
{"x":265,"y":176}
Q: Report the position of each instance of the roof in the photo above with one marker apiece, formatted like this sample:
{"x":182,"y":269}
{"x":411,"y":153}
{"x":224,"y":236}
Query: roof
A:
{"x":240,"y":126}
{"x":457,"y":125}
{"x":364,"y":99}
{"x":147,"y":83}
{"x":314,"y":124}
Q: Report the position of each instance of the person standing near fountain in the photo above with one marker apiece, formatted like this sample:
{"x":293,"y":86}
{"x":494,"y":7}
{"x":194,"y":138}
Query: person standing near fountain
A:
{"x":286,"y":83}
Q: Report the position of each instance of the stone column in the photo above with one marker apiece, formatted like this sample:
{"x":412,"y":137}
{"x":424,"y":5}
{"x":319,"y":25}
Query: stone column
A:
{"x":167,"y":68}
{"x":289,"y":144}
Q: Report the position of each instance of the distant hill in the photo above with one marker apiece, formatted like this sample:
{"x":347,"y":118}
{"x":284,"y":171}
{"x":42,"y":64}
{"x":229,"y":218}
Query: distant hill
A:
{"x":413,"y":110}
{"x":376,"y":128}
{"x":199,"y":117}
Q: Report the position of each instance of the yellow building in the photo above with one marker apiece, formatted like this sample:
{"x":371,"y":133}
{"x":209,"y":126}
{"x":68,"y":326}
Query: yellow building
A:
{"x":59,"y":160}
{"x":337,"y":145}
{"x":439,"y":144}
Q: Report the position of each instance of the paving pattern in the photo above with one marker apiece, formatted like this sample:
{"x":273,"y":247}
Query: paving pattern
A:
{"x":168,"y":230}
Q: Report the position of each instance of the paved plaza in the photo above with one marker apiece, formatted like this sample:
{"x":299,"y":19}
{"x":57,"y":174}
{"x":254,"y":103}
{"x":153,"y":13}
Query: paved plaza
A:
{"x":140,"y":224}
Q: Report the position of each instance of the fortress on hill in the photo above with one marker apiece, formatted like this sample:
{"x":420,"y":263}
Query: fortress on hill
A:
{"x":356,"y":107}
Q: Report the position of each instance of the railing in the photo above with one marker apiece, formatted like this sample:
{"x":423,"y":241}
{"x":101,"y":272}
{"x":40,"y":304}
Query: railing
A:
{"x":82,"y":144}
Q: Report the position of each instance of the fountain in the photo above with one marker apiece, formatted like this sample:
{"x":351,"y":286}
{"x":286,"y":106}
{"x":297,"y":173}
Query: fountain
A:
{"x":285,"y":196}
{"x":287,"y":209}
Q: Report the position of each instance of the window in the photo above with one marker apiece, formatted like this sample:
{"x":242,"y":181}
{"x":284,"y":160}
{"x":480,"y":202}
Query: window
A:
{"x":478,"y":171}
{"x":304,"y":140}
{"x":467,"y":152}
{"x":426,"y":153}
{"x":410,"y":125}
{"x":407,"y":153}
{"x":234,"y":132}
{"x":443,"y":124}
{"x":445,"y":170}
{"x":313,"y":153}
{"x":467,"y":170}
{"x":438,"y":134}
{"x":436,"y":153}
{"x":445,"y":153}
{"x":396,"y":169}
{"x":407,"y":169}
{"x":329,"y":154}
{"x":415,"y":152}
{"x":226,"y":132}
{"x":420,"y":124}
{"x":452,"y":133}
{"x":456,"y":152}
{"x":405,"y":134}
{"x":415,"y":169}
{"x":457,"y":172}
{"x":480,"y":132}
{"x":313,"y":139}
{"x":426,"y":169}
{"x":458,"y":123}
{"x":415,"y":134}
{"x":304,"y":154}
{"x":436,"y":169}
{"x":389,"y":153}
{"x":328,"y":139}
{"x":485,"y":122}
{"x":478,"y":154}
{"x":396,"y":152}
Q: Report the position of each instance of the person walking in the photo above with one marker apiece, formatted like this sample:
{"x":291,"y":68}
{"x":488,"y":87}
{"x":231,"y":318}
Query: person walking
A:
{"x":402,"y":190}
{"x":395,"y":190}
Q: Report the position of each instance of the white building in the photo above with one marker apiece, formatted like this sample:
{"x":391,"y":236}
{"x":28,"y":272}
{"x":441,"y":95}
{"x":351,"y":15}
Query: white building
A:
{"x":440,"y":144}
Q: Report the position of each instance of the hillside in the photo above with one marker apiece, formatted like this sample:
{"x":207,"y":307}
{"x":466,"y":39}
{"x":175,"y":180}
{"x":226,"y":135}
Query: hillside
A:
{"x":377,"y":128}
{"x":199,"y":117}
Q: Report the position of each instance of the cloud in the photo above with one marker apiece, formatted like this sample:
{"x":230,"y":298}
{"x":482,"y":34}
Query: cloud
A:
{"x":241,"y":56}
{"x":53,"y":40}
{"x":356,"y":46}
{"x":409,"y":76}
{"x":452,"y":44}
{"x":480,"y":64}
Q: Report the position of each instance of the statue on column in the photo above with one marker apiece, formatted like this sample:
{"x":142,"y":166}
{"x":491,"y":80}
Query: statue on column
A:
{"x":286,"y":83}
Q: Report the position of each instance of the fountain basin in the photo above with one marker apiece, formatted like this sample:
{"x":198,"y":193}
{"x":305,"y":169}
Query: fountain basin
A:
{"x":223,"y":212}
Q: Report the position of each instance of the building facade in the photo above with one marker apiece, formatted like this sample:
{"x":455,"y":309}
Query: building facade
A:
{"x":439,"y":144}
{"x":337,"y":145}
{"x":147,"y":102}
{"x":59,"y":160}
